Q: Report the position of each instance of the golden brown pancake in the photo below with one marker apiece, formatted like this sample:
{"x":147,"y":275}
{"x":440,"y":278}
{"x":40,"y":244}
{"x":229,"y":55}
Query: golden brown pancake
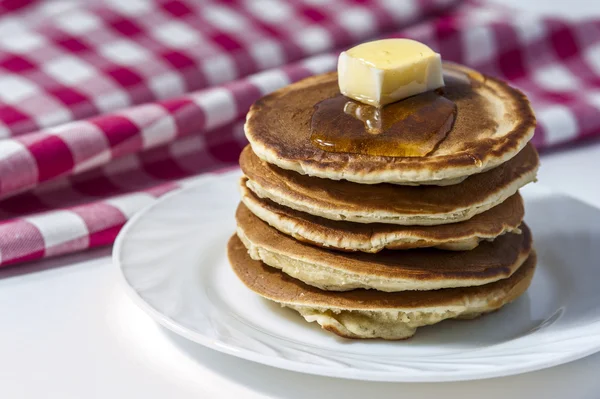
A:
{"x":375,"y":314}
{"x":373,"y":237}
{"x":389,"y":203}
{"x":493,"y":123}
{"x":417,"y":269}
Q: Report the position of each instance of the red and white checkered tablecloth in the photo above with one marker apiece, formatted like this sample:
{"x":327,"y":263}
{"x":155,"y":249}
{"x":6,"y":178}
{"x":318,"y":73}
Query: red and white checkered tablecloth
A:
{"x":105,"y":106}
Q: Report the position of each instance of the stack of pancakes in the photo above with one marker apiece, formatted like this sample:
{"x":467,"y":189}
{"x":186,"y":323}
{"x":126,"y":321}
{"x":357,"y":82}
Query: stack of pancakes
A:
{"x":376,"y":246}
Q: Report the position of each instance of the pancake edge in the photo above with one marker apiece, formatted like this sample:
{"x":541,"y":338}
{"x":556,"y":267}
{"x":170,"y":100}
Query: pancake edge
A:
{"x":287,"y":225}
{"x":385,"y":325}
{"x":458,"y":215}
{"x":394,"y":323}
{"x":331,"y":278}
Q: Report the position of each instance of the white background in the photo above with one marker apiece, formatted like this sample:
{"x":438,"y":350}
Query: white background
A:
{"x":68,"y":330}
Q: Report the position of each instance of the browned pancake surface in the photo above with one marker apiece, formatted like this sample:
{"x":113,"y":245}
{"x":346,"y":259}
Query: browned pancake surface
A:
{"x":505,"y":217}
{"x":281,"y":124}
{"x":489,"y":261}
{"x":407,"y":200}
{"x":275,"y":285}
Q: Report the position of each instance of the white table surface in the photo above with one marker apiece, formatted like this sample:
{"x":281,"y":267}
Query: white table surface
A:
{"x":68,"y":330}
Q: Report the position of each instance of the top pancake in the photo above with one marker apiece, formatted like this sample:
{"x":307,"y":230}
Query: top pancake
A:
{"x":493,"y":123}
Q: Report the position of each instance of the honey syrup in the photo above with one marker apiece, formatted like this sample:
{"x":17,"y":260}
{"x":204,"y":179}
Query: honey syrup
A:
{"x":412,"y":127}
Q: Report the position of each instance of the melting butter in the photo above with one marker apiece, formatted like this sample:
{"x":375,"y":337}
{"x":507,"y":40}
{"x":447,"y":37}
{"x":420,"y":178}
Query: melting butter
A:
{"x":385,"y":71}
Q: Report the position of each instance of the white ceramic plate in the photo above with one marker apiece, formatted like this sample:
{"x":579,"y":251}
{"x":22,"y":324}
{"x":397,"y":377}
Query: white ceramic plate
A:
{"x":173,"y":259}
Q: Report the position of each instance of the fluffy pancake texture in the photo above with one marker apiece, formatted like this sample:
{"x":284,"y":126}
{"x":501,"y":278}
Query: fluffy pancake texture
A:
{"x":349,"y":236}
{"x":494,"y":122}
{"x":373,"y":314}
{"x":389,"y":203}
{"x":419,"y":269}
{"x":375,"y":246}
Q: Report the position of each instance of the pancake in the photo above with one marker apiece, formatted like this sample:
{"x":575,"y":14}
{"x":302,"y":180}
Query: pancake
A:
{"x":374,"y":314}
{"x":493,"y":123}
{"x":349,"y":236}
{"x":417,"y":269}
{"x":389,"y":203}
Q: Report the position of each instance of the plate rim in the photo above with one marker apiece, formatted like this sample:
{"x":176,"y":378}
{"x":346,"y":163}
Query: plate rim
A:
{"x":297,"y":366}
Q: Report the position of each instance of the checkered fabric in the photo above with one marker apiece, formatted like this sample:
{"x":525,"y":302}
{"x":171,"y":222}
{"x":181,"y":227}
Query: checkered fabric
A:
{"x":105,"y":106}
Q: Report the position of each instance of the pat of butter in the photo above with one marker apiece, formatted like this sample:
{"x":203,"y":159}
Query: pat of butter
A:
{"x":384,"y":71}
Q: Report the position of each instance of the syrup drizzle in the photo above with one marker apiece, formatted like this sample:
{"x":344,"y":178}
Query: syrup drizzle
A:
{"x":413,"y":127}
